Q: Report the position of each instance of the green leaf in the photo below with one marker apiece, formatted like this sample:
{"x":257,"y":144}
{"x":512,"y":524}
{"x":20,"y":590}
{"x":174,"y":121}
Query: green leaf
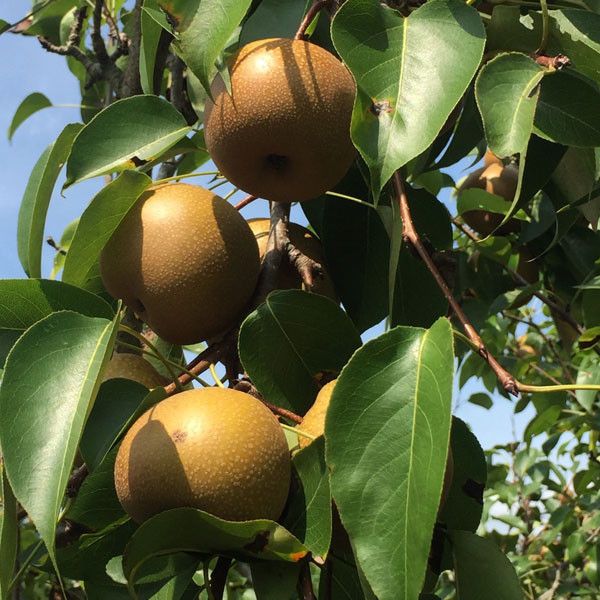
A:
{"x":119,"y":403}
{"x":272,"y":19}
{"x":301,"y":335}
{"x":151,"y":33}
{"x":49,"y":385}
{"x":478,"y":199}
{"x":481,"y":399}
{"x":275,"y":581}
{"x":23,"y":302}
{"x":202,"y":31}
{"x":464,"y":504}
{"x":387,"y":433}
{"x":98,"y":222}
{"x":4,"y":26}
{"x":125,"y":135}
{"x":588,"y":373}
{"x":507,"y":93}
{"x":192,"y":530}
{"x":30,"y":105}
{"x":482,"y":571}
{"x":308,"y":515}
{"x":96,"y":505}
{"x":568,"y":111}
{"x":410,"y":73}
{"x":9,"y":536}
{"x":36,"y":199}
{"x":64,"y":244}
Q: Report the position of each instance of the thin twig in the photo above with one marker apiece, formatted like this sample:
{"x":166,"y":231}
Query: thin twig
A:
{"x":307,"y":268}
{"x":245,"y":385}
{"x":247,"y":200}
{"x":312,"y":12}
{"x":409,"y":233}
{"x":305,"y":582}
{"x":558,"y":62}
{"x":219,"y":577}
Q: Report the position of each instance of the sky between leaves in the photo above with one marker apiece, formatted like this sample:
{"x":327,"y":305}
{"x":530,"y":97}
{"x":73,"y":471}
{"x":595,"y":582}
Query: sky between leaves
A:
{"x":25,"y":68}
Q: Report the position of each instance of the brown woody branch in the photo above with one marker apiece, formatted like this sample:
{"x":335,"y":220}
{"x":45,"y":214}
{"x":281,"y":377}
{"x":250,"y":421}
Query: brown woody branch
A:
{"x":218,"y":577}
{"x":177,"y":90}
{"x":409,"y":234}
{"x":247,"y":200}
{"x":96,"y":35}
{"x":558,"y":62}
{"x":305,"y":586}
{"x":312,"y":12}
{"x":245,"y":385}
{"x":130,"y":84}
{"x":307,"y":268}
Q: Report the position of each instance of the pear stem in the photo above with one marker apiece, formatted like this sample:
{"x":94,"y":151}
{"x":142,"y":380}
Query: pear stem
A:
{"x":309,"y":17}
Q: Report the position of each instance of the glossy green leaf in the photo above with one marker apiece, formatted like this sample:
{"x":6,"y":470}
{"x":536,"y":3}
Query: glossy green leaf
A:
{"x":118,"y":404}
{"x":141,"y":129}
{"x":482,"y":570}
{"x":568,"y":111}
{"x":301,"y":335}
{"x":98,"y":222}
{"x":202,"y":31}
{"x":96,"y":505}
{"x":308,"y":515}
{"x":387,"y":433}
{"x":4,"y":26}
{"x":23,"y":302}
{"x":45,"y":398}
{"x":9,"y":535}
{"x":507,"y":93}
{"x":588,"y":373}
{"x":192,"y":530}
{"x":478,"y":199}
{"x":410,"y":72}
{"x":36,"y":199}
{"x":30,"y":105}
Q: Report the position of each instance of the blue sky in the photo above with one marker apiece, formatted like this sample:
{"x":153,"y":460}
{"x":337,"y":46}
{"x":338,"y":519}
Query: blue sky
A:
{"x":27,"y":68}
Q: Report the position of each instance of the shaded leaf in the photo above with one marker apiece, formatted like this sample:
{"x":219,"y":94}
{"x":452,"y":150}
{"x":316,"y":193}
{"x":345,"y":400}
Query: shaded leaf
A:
{"x":507,"y":94}
{"x":118,"y":404}
{"x":410,"y":73}
{"x":98,"y":222}
{"x":482,"y":571}
{"x":125,"y":135}
{"x":272,"y":19}
{"x":151,"y":33}
{"x":45,"y":398}
{"x":192,"y":530}
{"x":588,"y":373}
{"x":275,"y":581}
{"x":36,"y":199}
{"x":387,"y":432}
{"x":308,"y":515}
{"x":30,"y":105}
{"x":9,"y":535}
{"x":301,"y":335}
{"x":202,"y":31}
{"x":64,"y":244}
{"x":568,"y":111}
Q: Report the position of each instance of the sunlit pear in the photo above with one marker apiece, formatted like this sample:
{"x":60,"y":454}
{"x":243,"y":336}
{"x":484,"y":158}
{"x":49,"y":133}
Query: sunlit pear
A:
{"x":308,"y":244}
{"x":313,"y":422}
{"x":284,"y":131}
{"x":184,"y":260}
{"x":215,"y":449}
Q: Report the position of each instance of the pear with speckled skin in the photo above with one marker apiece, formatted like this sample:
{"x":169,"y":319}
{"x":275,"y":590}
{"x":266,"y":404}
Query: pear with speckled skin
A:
{"x":284,"y":131}
{"x":184,"y":260}
{"x":124,"y":365}
{"x":215,"y":449}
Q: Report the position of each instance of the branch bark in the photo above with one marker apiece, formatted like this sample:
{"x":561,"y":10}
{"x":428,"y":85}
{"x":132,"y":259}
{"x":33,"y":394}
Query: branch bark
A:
{"x":409,"y":233}
{"x":131,"y":84}
{"x":312,"y":12}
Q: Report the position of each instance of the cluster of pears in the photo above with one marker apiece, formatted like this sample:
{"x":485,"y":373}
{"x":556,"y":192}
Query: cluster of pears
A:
{"x":187,"y":263}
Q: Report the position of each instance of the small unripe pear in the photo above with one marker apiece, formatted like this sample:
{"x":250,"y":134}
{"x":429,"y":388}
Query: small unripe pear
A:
{"x":308,"y":244}
{"x":215,"y":449}
{"x":132,"y":366}
{"x":184,"y":260}
{"x":496,"y":179}
{"x":284,"y":132}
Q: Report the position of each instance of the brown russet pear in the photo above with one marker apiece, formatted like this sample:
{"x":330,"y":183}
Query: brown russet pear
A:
{"x":184,"y":260}
{"x":125,"y":365}
{"x":284,"y":131}
{"x":215,"y":449}
{"x":308,"y":244}
{"x":495,"y":178}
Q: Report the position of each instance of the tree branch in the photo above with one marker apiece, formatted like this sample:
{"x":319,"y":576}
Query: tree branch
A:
{"x":312,"y":12}
{"x":96,"y":35}
{"x":245,"y":385}
{"x":131,"y":83}
{"x":409,"y":233}
{"x":177,"y":90}
{"x":247,"y":200}
{"x":219,"y":577}
{"x":307,"y":268}
{"x":305,"y":582}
